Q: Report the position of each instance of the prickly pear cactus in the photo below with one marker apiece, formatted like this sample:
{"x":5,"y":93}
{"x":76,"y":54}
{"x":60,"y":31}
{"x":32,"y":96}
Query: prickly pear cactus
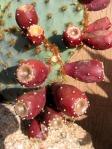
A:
{"x":54,"y":16}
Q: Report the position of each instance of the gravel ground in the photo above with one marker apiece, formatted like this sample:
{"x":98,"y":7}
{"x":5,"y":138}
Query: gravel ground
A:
{"x":67,"y":136}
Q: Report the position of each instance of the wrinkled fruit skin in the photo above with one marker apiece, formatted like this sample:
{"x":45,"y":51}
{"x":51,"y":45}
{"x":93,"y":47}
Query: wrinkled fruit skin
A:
{"x":52,"y":115}
{"x":35,"y":39}
{"x":88,"y":71}
{"x":100,"y":24}
{"x":72,"y":36}
{"x":32,"y":73}
{"x":30,"y":104}
{"x":99,"y":40}
{"x":69,"y":99}
{"x":97,"y":5}
{"x":26,"y":16}
{"x":37,"y":131}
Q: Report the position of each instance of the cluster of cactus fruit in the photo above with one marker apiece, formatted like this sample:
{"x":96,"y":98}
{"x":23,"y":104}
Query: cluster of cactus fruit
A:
{"x":35,"y":53}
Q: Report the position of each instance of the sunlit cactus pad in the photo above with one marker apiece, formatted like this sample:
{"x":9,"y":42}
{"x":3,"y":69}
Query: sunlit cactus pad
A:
{"x":54,"y":17}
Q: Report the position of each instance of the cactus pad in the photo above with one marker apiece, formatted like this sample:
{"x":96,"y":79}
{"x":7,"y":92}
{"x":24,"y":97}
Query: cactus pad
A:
{"x":54,"y":17}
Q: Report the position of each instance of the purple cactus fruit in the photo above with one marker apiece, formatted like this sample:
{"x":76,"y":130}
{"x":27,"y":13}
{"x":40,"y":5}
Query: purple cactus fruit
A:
{"x":85,"y":1}
{"x":53,"y":118}
{"x":37,"y":130}
{"x":99,"y":40}
{"x":70,"y":100}
{"x":30,"y":104}
{"x":88,"y":71}
{"x":26,"y":16}
{"x":35,"y":34}
{"x":32,"y":73}
{"x":72,"y":36}
{"x":96,"y":5}
{"x":100,"y":24}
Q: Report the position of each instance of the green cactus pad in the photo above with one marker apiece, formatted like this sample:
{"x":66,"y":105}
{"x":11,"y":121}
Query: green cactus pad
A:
{"x":54,"y":17}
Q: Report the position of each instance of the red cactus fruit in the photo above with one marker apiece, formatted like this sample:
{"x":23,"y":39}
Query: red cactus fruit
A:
{"x":99,"y":40}
{"x":30,"y":104}
{"x":53,"y":118}
{"x":72,"y":36}
{"x":100,"y":24}
{"x":88,"y":71}
{"x":96,"y":5}
{"x":32,"y":73}
{"x":85,"y":1}
{"x":37,"y":130}
{"x":35,"y":34}
{"x":69,"y":99}
{"x":26,"y":16}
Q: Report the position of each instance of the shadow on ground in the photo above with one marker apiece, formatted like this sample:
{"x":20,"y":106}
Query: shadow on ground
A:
{"x":8,"y":124}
